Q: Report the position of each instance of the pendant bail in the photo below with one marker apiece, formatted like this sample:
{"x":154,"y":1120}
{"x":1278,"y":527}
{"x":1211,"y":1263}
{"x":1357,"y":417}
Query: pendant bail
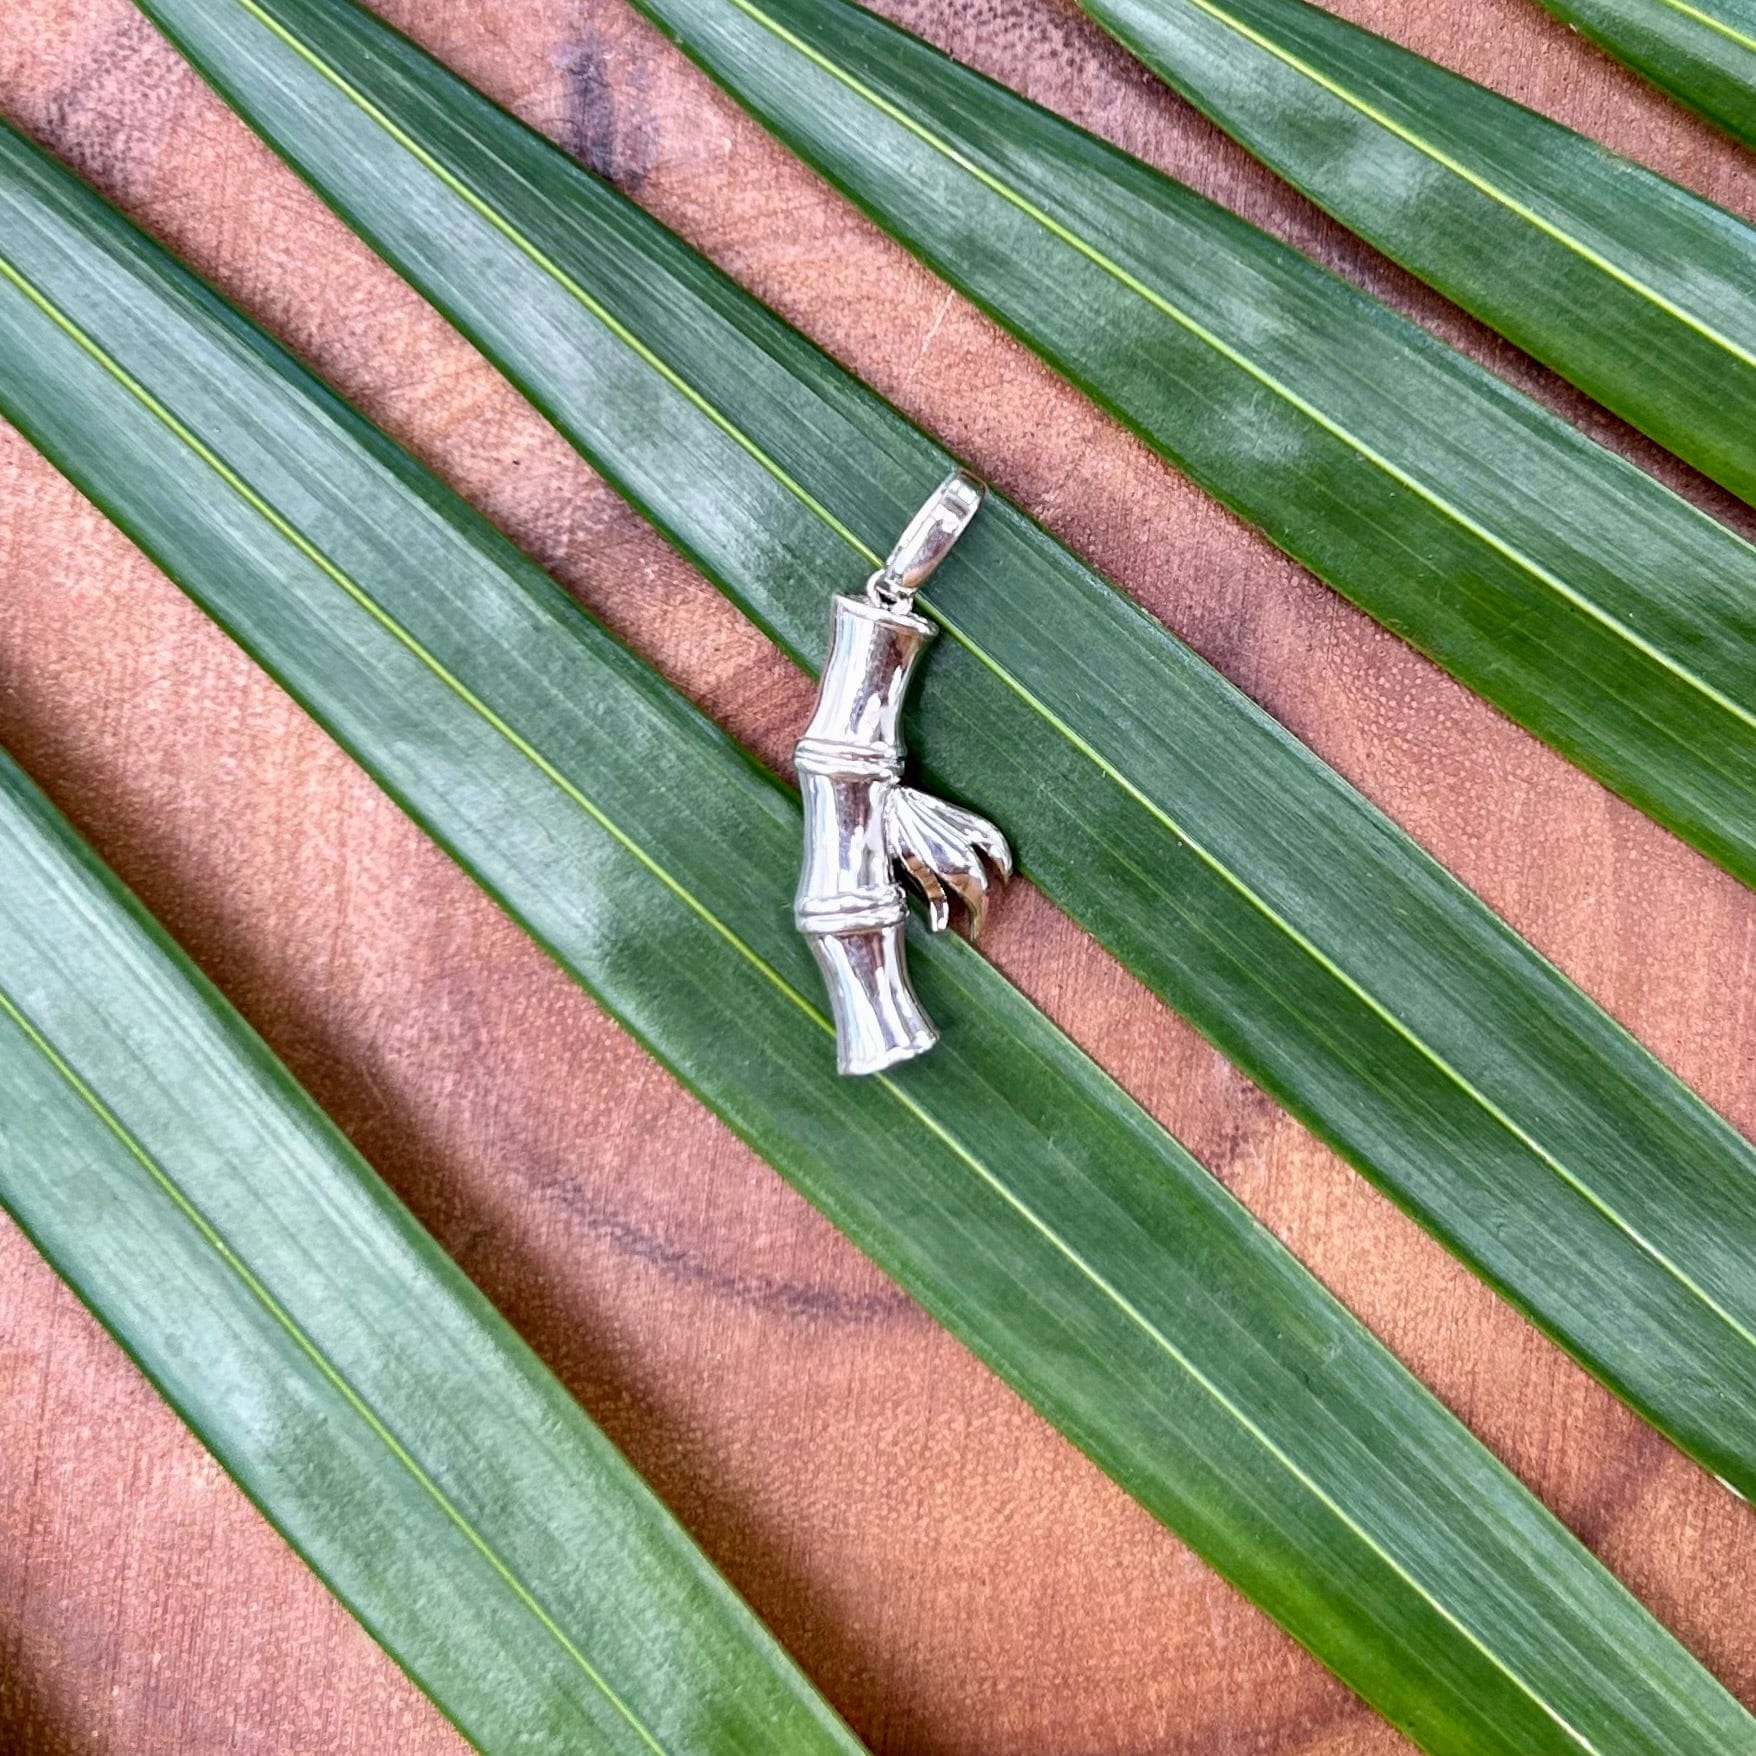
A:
{"x":926,"y":541}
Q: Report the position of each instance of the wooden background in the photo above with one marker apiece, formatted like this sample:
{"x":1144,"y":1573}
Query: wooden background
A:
{"x":955,"y":1576}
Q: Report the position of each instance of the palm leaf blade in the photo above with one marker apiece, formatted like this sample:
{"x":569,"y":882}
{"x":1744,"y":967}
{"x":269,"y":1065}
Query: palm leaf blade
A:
{"x":1634,"y":289}
{"x":1005,"y":1181}
{"x":1245,"y":883}
{"x":355,"y":1385}
{"x":1703,"y":52}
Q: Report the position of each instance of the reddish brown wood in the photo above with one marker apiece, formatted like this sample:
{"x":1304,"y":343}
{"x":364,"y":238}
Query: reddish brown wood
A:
{"x":951,"y":1572}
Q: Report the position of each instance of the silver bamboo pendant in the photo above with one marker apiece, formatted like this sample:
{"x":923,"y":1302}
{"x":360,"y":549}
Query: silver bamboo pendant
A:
{"x":863,"y":827}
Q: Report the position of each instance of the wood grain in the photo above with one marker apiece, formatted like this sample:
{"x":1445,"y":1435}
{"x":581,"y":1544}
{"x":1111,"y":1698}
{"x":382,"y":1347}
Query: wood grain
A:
{"x":954,"y":1576}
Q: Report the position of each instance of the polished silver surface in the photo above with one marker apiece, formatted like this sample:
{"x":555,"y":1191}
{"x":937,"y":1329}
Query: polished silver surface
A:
{"x":863,"y":827}
{"x":927,"y":538}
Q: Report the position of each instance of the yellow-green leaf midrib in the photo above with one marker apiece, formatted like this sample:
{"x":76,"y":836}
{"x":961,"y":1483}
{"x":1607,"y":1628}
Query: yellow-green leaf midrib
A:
{"x":1731,"y":32}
